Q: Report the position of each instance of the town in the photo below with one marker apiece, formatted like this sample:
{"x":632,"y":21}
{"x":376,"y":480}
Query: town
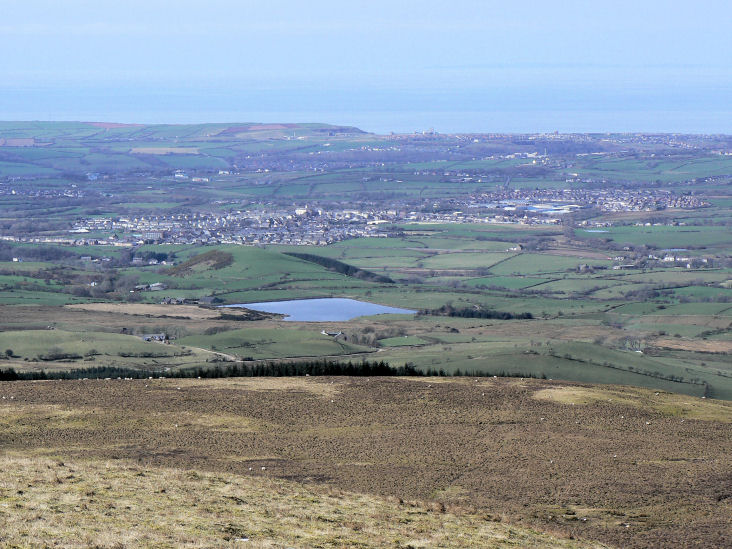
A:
{"x":325,"y":223}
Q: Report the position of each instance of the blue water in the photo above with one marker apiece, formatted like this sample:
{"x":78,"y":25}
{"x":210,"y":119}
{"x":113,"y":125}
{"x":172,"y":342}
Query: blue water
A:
{"x":325,"y":309}
{"x":522,"y":110}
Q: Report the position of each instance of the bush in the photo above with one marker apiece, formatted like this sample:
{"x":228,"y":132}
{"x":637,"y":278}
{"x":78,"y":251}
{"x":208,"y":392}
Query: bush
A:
{"x":474,"y":312}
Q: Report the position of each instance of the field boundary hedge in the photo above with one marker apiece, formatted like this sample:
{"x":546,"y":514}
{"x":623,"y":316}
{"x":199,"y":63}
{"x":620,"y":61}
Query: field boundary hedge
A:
{"x":343,"y":268}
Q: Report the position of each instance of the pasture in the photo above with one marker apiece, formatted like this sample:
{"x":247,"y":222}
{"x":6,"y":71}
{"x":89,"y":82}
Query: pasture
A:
{"x":62,"y":349}
{"x":274,"y":342}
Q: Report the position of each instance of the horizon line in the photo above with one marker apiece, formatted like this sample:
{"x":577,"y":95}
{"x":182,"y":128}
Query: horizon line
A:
{"x":427,"y":131}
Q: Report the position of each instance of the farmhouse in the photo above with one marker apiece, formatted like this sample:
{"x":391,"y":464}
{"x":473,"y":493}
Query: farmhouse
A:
{"x":154,"y":337}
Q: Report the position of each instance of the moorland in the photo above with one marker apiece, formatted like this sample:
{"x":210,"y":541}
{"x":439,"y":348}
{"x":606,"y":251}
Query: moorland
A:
{"x":334,"y":462}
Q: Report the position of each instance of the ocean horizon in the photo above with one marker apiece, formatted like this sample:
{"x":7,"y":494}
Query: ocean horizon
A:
{"x":401,"y":111}
{"x":450,"y":122}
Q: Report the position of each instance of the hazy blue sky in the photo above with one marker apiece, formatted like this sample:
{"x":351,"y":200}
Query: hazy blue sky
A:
{"x":459,"y":65}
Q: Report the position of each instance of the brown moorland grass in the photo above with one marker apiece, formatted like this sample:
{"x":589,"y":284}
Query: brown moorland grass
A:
{"x":705,"y":346}
{"x":670,"y":404}
{"x":623,"y":466}
{"x":164,"y":150}
{"x":87,"y":503}
{"x":19,"y":317}
{"x":182,"y":311}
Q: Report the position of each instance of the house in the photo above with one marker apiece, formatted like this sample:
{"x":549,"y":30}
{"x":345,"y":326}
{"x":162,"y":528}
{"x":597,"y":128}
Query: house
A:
{"x":153,"y":235}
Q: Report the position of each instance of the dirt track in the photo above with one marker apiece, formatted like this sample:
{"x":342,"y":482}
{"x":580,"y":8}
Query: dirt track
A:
{"x":605,"y":471}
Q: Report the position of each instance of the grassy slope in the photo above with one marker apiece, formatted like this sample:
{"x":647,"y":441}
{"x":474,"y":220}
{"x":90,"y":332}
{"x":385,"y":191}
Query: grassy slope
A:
{"x":597,"y":463}
{"x":91,"y":503}
{"x":275,"y":342}
{"x":93,"y":349}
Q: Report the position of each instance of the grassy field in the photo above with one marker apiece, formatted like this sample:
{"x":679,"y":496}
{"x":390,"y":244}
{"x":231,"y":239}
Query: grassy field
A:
{"x":113,"y":505}
{"x":276,"y":342}
{"x":662,"y":236}
{"x":60,"y":349}
{"x":589,"y":320}
{"x":336,"y":462}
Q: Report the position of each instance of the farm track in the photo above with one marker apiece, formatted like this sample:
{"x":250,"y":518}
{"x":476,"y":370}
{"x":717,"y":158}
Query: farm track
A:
{"x":604,"y":470}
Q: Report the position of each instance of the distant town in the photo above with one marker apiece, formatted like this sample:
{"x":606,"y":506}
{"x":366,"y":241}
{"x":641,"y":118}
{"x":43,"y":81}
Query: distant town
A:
{"x":318,"y":225}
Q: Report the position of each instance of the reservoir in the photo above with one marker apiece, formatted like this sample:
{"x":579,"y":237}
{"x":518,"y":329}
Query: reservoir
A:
{"x":324,"y":310}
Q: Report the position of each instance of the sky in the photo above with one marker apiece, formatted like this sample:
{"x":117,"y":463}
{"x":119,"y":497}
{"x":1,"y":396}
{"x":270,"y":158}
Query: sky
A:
{"x":458,"y":66}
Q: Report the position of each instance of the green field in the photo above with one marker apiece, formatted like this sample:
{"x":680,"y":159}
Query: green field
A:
{"x":662,"y":236}
{"x":61,"y":349}
{"x":267,"y":343}
{"x":595,"y":299}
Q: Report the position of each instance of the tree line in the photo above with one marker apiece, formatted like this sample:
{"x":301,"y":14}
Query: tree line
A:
{"x":263,"y":369}
{"x":475,"y":312}
{"x":343,"y":268}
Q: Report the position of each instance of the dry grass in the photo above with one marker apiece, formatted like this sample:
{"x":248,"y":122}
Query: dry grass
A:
{"x":312,"y":385}
{"x":623,"y":466}
{"x":670,"y":404}
{"x":46,"y":502}
{"x":149,"y":309}
{"x":115,"y":320}
{"x":164,"y":150}
{"x":704,"y":346}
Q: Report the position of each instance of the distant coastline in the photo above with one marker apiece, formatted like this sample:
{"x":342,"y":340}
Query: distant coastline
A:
{"x":472,"y":114}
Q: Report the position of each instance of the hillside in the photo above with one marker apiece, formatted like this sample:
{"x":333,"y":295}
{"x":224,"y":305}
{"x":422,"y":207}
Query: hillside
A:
{"x":112,"y":505}
{"x":47,"y":149}
{"x":600,"y":464}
